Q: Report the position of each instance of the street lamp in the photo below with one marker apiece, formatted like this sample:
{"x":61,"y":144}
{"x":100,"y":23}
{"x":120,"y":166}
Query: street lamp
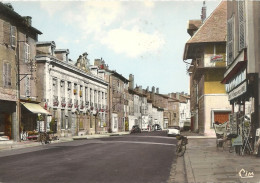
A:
{"x":18,"y":79}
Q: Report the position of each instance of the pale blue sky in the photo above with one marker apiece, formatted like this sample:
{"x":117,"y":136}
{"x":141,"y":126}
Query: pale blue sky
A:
{"x":143,"y":38}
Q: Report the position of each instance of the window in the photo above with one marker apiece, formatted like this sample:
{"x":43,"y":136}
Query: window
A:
{"x":62,"y":119}
{"x":28,"y":86}
{"x":26,"y":52}
{"x":230,"y":41}
{"x":86,"y":94}
{"x":7,"y":75}
{"x":13,"y":36}
{"x":241,"y":19}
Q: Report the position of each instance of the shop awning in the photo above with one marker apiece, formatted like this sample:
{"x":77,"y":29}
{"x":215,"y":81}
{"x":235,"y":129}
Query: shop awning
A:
{"x":35,"y":108}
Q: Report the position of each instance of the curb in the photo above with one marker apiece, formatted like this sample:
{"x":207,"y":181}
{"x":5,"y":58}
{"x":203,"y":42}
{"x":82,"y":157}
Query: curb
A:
{"x":188,"y":168}
{"x":201,"y":137}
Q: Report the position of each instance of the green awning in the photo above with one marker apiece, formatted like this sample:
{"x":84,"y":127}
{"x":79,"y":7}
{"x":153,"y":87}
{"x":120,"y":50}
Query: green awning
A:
{"x":35,"y":108}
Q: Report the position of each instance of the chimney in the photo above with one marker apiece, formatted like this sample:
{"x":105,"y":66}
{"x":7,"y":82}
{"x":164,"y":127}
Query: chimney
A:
{"x":153,"y":89}
{"x":147,"y":89}
{"x":140,"y":89}
{"x":178,"y":95}
{"x":203,"y":12}
{"x":157,"y":90}
{"x":28,"y":20}
{"x":131,"y":81}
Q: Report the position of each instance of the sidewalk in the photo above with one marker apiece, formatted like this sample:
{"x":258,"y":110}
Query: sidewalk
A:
{"x":9,"y":145}
{"x":204,"y":162}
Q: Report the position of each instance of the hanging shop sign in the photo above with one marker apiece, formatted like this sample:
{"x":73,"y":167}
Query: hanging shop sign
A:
{"x":216,"y":58}
{"x":240,"y":90}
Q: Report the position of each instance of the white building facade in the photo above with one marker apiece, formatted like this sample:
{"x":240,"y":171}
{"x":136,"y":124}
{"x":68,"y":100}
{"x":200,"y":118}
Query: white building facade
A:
{"x":76,"y":96}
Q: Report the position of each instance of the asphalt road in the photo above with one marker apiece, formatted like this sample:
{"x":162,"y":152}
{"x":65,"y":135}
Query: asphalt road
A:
{"x":139,"y":158}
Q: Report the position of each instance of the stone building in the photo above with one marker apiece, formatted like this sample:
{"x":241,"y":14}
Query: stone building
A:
{"x":74,"y":93}
{"x":17,"y":66}
{"x":117,"y":101}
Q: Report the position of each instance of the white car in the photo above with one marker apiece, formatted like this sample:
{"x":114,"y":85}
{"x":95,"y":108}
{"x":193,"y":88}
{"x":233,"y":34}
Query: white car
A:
{"x":173,"y":131}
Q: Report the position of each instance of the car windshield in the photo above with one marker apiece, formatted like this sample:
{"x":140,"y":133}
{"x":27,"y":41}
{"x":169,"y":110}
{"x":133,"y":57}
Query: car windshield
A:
{"x":174,"y":127}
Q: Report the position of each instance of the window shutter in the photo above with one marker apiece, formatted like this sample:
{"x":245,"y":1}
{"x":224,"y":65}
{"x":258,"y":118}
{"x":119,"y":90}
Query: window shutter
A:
{"x":27,"y":52}
{"x":6,"y":33}
{"x":241,"y":19}
{"x":230,"y":41}
{"x":13,"y":36}
{"x":21,"y":51}
{"x":9,"y":78}
{"x":7,"y":75}
{"x":4,"y":74}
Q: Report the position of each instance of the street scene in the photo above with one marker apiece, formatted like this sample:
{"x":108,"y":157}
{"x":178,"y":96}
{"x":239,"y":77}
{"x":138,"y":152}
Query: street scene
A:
{"x":129,"y":91}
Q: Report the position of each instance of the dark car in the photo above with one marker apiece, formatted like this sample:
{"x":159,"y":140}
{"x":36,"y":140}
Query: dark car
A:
{"x":136,"y":129}
{"x":156,"y":127}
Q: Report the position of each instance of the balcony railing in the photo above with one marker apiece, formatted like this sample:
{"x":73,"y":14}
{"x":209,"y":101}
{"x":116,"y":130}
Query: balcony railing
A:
{"x":76,"y":104}
{"x":82,"y":105}
{"x":63,"y":102}
{"x":55,"y":101}
{"x":70,"y":104}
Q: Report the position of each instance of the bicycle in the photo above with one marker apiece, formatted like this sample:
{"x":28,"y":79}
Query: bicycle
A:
{"x":181,"y":145}
{"x":44,"y":138}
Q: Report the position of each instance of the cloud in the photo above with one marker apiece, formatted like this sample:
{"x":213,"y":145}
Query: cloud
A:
{"x":54,"y":7}
{"x":93,"y":16}
{"x":132,"y":43}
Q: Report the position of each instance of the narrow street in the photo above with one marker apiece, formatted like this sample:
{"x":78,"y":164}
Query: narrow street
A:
{"x":145,"y":157}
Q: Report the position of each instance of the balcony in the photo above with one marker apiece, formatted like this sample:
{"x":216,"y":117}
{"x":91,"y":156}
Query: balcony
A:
{"x":82,"y":105}
{"x":70,"y":103}
{"x":76,"y":104}
{"x":55,"y":101}
{"x":63,"y":102}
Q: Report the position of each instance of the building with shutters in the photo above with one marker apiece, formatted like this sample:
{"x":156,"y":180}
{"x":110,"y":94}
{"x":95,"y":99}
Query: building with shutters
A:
{"x":207,"y":50}
{"x":117,"y":100}
{"x":74,"y":93}
{"x":17,"y":67}
{"x":242,"y":74}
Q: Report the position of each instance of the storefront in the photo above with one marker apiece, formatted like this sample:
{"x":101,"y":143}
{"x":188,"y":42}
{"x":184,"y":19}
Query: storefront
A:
{"x":242,"y":89}
{"x":7,"y":119}
{"x":32,"y":119}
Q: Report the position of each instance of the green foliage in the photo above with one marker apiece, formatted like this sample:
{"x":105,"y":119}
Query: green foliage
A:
{"x":53,"y":125}
{"x":126,"y":126}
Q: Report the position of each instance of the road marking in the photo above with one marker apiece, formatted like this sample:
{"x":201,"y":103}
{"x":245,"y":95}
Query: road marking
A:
{"x":149,"y":143}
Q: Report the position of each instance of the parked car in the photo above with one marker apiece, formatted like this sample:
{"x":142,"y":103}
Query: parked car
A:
{"x":156,"y":127}
{"x":173,"y":131}
{"x":135,"y":129}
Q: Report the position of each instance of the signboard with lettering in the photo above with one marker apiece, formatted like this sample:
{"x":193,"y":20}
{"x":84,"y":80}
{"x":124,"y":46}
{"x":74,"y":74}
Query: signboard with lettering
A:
{"x":237,"y":141}
{"x":216,"y":58}
{"x":238,"y":91}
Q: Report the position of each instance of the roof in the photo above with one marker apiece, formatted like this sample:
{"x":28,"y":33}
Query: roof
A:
{"x":8,"y":12}
{"x":213,"y":30}
{"x":193,"y":25}
{"x":118,"y":75}
{"x":46,"y":43}
{"x":131,"y":91}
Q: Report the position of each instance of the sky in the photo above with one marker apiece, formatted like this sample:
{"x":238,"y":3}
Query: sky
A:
{"x":143,"y":38}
